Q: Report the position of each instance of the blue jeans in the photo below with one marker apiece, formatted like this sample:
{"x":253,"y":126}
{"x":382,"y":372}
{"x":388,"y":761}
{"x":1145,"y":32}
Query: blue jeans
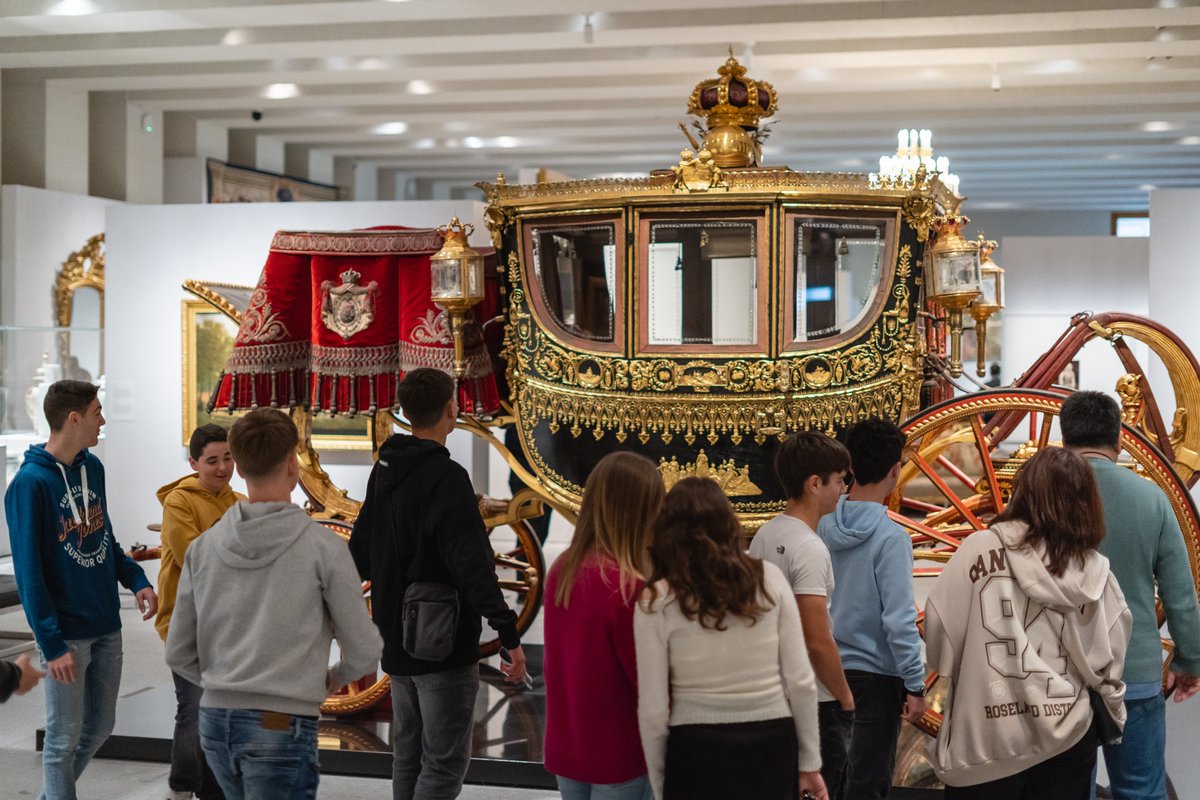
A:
{"x":636,"y":789}
{"x":1137,"y":768}
{"x":189,"y":771}
{"x":433,"y":717}
{"x":80,"y":715}
{"x":261,"y":755}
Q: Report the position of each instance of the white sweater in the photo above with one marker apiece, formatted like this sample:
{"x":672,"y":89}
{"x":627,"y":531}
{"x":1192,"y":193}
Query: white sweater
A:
{"x":689,"y":675}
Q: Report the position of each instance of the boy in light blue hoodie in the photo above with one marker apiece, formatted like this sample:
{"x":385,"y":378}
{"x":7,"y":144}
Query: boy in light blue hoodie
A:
{"x":874,"y":615}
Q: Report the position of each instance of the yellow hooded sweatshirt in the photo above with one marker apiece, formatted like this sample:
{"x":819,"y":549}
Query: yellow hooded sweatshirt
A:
{"x":188,"y":511}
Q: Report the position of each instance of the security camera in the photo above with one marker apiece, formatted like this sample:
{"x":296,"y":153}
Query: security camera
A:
{"x":256,"y":116}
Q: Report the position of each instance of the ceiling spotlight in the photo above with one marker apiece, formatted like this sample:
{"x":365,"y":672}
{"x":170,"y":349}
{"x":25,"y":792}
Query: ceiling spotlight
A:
{"x":1159,"y":126}
{"x":390,"y":128}
{"x":995,"y":78}
{"x":506,"y":141}
{"x":282,"y":91}
{"x":589,"y":32}
{"x":474,"y":142}
{"x":419,"y":87}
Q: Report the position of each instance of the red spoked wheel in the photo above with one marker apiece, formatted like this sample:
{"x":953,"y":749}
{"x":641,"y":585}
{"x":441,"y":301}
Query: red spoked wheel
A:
{"x":957,"y":475}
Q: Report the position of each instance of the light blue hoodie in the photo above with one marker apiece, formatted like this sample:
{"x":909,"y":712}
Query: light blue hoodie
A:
{"x":874,"y":614}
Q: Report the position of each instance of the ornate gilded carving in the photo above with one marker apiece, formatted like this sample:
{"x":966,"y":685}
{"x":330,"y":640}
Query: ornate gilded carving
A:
{"x":1133,"y":403}
{"x":83,"y":269}
{"x":919,"y":208}
{"x":733,"y":480}
{"x":698,"y":172}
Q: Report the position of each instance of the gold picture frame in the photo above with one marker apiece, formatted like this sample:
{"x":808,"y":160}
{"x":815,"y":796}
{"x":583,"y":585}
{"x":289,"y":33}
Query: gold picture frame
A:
{"x":207,"y":338}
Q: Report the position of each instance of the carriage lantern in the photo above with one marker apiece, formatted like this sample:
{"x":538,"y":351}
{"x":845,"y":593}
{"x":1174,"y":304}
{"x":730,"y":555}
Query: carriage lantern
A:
{"x":953,"y":280}
{"x":456,"y":284}
{"x":990,"y":301}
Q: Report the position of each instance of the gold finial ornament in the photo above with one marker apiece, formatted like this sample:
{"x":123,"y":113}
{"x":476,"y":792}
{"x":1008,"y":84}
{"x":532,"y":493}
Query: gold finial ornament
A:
{"x":732,"y":105}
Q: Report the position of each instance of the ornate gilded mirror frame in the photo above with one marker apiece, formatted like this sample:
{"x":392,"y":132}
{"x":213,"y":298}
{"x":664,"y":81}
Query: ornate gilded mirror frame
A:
{"x":83,"y":269}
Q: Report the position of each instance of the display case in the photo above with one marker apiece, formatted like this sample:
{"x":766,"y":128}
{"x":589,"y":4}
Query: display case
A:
{"x":32,"y":358}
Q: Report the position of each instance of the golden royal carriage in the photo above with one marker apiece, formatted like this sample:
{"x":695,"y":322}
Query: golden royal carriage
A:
{"x":699,"y":315}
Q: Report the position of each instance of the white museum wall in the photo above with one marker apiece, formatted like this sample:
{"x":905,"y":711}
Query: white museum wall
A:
{"x":1048,"y":279}
{"x":1174,"y":276}
{"x":151,"y":251}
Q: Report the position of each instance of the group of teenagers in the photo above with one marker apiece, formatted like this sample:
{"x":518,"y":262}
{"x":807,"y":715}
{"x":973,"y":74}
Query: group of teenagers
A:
{"x":678,"y":664}
{"x":681,"y":666}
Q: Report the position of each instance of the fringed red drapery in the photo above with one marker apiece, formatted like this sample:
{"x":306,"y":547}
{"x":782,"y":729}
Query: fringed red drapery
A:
{"x":338,"y":318}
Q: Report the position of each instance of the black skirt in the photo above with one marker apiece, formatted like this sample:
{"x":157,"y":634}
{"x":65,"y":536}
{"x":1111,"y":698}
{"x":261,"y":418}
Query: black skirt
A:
{"x":753,"y":760}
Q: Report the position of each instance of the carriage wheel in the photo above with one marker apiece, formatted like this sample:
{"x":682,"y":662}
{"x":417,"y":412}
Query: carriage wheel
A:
{"x":955,"y":479}
{"x":521,"y":568}
{"x":356,"y":697}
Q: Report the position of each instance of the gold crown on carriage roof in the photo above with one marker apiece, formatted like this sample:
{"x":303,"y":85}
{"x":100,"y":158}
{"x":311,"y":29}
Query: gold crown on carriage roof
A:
{"x":732,"y":98}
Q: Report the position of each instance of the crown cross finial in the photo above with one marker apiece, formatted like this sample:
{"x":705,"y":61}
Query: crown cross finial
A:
{"x":351,"y":276}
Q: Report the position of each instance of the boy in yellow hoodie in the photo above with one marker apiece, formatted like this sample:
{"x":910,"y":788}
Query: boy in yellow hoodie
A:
{"x":191,"y":505}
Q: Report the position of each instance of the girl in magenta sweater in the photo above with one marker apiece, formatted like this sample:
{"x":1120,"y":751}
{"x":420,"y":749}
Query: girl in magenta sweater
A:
{"x":592,"y":741}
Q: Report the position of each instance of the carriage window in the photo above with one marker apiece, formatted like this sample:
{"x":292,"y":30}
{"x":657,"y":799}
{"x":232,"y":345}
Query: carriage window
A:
{"x":837,"y":275}
{"x":576,"y":274}
{"x":703,"y":283}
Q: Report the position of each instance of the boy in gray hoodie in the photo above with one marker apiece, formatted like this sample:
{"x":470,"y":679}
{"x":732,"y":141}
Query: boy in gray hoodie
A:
{"x":874,"y":616}
{"x":260,"y":597}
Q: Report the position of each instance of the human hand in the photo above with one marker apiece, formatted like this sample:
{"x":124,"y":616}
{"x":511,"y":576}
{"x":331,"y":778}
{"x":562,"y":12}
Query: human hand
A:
{"x":1185,"y":685}
{"x":30,"y":675}
{"x":513,"y":667}
{"x":914,"y":709}
{"x":62,"y":669}
{"x":332,"y":684}
{"x":147,"y":602}
{"x":813,"y":785}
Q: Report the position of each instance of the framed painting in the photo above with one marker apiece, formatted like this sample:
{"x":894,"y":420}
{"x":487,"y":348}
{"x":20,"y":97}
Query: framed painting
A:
{"x":207,"y":338}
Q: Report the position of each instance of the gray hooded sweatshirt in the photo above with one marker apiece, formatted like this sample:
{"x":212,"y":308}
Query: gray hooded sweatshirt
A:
{"x":1021,"y":648}
{"x":260,"y":598}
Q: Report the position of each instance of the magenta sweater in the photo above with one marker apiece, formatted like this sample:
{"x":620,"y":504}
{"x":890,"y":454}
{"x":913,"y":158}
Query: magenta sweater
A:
{"x":591,"y":680}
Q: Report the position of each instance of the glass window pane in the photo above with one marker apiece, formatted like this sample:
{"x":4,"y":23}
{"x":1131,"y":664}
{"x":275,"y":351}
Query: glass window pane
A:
{"x":703,"y":283}
{"x":576,"y":275}
{"x":837,"y":274}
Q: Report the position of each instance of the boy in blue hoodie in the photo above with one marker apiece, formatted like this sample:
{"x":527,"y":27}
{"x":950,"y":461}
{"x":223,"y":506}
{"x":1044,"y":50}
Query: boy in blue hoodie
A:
{"x":68,"y":564}
{"x":874,"y":615}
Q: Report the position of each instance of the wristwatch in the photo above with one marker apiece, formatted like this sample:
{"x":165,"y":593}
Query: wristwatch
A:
{"x":920,"y":693}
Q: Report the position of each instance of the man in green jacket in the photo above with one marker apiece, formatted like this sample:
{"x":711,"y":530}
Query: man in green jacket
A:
{"x":1144,"y":547}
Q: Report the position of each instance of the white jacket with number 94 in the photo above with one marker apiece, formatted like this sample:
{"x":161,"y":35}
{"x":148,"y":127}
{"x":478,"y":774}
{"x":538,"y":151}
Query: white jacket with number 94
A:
{"x":1021,"y":648}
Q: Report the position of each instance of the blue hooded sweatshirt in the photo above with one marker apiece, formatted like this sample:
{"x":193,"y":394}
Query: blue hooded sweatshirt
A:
{"x":874,"y":614}
{"x":66,"y":558}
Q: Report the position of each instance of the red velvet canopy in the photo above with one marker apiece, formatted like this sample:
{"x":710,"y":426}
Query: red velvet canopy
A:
{"x":337,"y":319}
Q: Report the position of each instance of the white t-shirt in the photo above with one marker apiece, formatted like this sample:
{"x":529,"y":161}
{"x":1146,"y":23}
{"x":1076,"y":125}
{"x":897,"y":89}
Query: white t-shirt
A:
{"x":803,"y":558}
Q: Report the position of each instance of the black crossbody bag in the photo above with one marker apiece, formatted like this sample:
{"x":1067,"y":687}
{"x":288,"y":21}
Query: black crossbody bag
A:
{"x":430,"y":620}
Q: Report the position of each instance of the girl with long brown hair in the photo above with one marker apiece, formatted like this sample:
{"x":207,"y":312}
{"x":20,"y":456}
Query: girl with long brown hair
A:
{"x":1030,"y":627}
{"x":592,"y":744}
{"x":727,"y":701}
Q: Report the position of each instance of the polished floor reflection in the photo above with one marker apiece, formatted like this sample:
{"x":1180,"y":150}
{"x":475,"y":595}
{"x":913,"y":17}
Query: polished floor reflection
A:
{"x":507,"y":745}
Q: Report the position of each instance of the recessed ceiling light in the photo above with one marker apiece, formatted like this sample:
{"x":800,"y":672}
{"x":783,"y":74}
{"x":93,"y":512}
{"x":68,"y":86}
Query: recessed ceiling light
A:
{"x":506,"y":141}
{"x":282,"y":91}
{"x":456,"y":127}
{"x":1159,"y":126}
{"x":373,"y":63}
{"x":72,"y":8}
{"x":419,"y":87}
{"x":474,"y":142}
{"x":391,"y":128}
{"x":1113,"y":157}
{"x":424,"y":144}
{"x":1190,"y":141}
{"x":813,"y":74}
{"x":235,"y":37}
{"x":1147,"y":187}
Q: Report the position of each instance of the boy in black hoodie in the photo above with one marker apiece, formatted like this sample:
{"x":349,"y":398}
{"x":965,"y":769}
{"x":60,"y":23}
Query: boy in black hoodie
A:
{"x":420,"y":522}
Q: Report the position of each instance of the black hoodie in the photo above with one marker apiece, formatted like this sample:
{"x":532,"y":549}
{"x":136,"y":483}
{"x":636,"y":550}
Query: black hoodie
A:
{"x":420,"y":522}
